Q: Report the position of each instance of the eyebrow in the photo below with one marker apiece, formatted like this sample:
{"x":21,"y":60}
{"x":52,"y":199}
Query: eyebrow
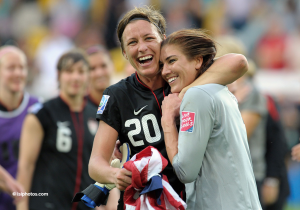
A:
{"x":148,"y":34}
{"x":169,"y":57}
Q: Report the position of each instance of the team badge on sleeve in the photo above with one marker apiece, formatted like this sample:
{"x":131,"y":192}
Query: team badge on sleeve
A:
{"x":187,"y":122}
{"x":102,"y":104}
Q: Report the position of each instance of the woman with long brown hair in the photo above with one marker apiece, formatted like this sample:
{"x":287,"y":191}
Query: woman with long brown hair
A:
{"x":210,"y":152}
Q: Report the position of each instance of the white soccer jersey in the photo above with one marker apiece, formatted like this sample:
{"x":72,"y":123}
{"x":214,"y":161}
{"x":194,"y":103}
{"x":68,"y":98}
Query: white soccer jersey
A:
{"x":213,"y":154}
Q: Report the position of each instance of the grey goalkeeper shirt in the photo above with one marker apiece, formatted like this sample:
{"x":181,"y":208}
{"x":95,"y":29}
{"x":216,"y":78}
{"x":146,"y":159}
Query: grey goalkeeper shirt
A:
{"x":213,"y":157}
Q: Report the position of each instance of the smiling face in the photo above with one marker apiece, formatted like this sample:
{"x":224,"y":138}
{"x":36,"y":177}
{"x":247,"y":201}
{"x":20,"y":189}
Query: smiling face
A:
{"x":177,"y":70}
{"x":73,"y":81}
{"x":101,"y":69}
{"x":13,"y":71}
{"x":141,"y":42}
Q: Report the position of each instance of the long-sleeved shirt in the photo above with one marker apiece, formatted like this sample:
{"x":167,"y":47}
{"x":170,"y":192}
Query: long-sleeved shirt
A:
{"x":213,"y":154}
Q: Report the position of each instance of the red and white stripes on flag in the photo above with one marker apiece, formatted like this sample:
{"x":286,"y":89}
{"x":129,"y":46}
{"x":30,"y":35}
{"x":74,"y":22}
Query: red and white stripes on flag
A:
{"x":144,"y":166}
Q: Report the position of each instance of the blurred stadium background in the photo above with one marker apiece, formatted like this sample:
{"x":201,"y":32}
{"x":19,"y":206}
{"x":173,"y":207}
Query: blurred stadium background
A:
{"x":269,"y":30}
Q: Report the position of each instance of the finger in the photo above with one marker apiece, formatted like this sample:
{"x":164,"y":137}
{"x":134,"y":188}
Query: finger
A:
{"x":117,"y":154}
{"x":126,"y":172}
{"x":17,"y":199}
{"x":296,"y":150}
{"x":124,"y":183}
{"x":296,"y":157}
{"x":121,"y":188}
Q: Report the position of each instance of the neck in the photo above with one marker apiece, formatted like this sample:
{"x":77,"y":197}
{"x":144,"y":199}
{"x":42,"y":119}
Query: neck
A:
{"x":96,"y":95}
{"x":75,"y":103}
{"x":11,"y":100}
{"x":153,"y":83}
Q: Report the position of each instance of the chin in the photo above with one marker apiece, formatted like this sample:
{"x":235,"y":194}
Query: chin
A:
{"x":17,"y":89}
{"x":175,"y":90}
{"x":148,"y":72}
{"x":74,"y":93}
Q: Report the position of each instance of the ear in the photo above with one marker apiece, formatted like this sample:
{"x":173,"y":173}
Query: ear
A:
{"x":165,"y":36}
{"x":58,"y":78}
{"x":199,"y":61}
{"x":124,"y":54}
{"x":58,"y":75}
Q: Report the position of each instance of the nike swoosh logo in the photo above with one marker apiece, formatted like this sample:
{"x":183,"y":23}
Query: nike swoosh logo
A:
{"x":136,"y":113}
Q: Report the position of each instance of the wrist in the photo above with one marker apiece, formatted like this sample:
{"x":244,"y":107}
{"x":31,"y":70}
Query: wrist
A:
{"x":168,"y":123}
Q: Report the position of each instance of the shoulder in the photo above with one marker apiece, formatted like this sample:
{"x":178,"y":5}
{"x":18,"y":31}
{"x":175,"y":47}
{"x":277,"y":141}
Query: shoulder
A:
{"x":33,"y":99}
{"x":207,"y":91}
{"x":53,"y":102}
{"x":42,"y":107}
{"x":212,"y":89}
{"x":121,"y":84}
{"x":198,"y":98}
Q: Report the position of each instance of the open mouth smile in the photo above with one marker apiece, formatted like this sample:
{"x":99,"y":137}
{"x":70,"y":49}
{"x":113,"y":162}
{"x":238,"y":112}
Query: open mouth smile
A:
{"x":172,"y":79}
{"x":145,"y":60}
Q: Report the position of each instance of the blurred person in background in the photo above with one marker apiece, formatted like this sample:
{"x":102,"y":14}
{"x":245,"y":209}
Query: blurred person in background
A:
{"x":265,"y":133}
{"x":10,"y":186}
{"x":57,"y":139}
{"x":270,"y":48}
{"x":101,"y":70}
{"x":14,"y":105}
{"x":275,"y":190}
{"x":296,"y":153}
{"x":253,"y":107}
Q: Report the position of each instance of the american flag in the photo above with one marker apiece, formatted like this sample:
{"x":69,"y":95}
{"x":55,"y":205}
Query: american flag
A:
{"x":149,"y":188}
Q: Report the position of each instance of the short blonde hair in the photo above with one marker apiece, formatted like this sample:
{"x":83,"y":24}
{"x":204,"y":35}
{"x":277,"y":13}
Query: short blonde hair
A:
{"x":10,"y":48}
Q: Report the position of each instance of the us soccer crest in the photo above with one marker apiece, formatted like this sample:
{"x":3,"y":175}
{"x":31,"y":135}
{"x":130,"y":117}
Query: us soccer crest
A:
{"x":102,"y":104}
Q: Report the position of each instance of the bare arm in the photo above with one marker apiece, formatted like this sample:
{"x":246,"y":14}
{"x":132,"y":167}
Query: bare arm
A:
{"x":9,"y":185}
{"x":170,"y":110}
{"x":225,"y":70}
{"x":30,"y":146}
{"x":103,"y":147}
{"x":251,"y":120}
{"x":296,"y":153}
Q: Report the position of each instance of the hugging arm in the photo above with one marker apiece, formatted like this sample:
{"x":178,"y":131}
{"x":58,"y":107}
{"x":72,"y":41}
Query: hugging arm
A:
{"x":188,"y":154}
{"x":225,"y":70}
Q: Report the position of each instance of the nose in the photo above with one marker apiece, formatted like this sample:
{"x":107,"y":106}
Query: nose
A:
{"x":142,"y":46}
{"x":76,"y":76}
{"x":20,"y":71}
{"x":165,"y":70}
